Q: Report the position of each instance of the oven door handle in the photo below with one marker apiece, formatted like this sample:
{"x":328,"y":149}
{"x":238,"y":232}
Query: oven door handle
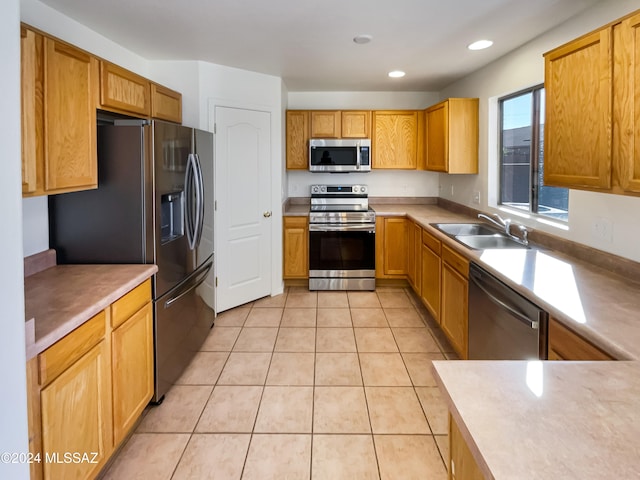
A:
{"x":348,"y":227}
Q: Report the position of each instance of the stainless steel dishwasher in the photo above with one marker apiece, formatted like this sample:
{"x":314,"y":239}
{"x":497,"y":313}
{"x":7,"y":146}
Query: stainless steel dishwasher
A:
{"x":503,"y":325}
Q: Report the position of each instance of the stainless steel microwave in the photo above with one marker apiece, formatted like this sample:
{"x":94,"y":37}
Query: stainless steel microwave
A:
{"x":342,"y":156}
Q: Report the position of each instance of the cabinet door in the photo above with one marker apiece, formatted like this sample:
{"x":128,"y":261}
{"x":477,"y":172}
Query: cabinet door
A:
{"x":296,"y":247}
{"x":577,"y":136}
{"x":31,"y":107}
{"x":462,"y":465}
{"x":395,"y":139}
{"x":297,"y":140}
{"x":70,"y":152}
{"x":395,"y":246}
{"x":76,"y":416}
{"x":437,"y":123}
{"x":356,"y":124}
{"x":411,"y":255}
{"x":166,"y":104}
{"x":454,"y":314}
{"x":124,"y":91}
{"x":626,"y":103}
{"x":132,"y":370}
{"x":325,"y":124}
{"x":430,"y":292}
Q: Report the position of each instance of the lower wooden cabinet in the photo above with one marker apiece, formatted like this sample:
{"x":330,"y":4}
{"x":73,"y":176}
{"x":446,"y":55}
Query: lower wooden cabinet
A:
{"x":296,"y":247}
{"x":431,"y":274}
{"x":455,"y":305}
{"x":566,"y":345}
{"x":76,"y":418}
{"x":131,"y":370}
{"x":86,"y":391}
{"x":391,"y":247}
{"x":462,"y":465}
{"x":414,"y":256}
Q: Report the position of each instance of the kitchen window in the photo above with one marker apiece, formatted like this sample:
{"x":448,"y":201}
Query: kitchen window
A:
{"x":522,"y":157}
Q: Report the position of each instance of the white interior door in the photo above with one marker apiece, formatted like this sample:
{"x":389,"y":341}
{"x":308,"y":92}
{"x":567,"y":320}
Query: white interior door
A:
{"x":243,"y":197}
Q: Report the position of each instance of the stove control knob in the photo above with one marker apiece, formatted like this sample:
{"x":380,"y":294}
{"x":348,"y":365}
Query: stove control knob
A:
{"x":356,"y":189}
{"x":363,"y":189}
{"x":314,"y":189}
{"x":323,"y":189}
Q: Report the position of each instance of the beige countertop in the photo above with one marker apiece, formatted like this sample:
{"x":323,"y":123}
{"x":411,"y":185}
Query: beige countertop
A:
{"x":542,"y":420}
{"x":63,"y":297}
{"x":602,"y":307}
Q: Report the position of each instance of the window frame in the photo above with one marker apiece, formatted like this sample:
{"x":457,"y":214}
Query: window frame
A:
{"x":534,"y":153}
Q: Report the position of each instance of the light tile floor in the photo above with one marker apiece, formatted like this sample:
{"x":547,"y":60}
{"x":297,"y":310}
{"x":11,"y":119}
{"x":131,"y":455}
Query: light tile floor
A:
{"x":305,"y":385}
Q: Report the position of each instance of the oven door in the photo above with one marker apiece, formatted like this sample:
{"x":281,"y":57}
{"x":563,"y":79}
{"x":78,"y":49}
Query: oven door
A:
{"x":342,"y":250}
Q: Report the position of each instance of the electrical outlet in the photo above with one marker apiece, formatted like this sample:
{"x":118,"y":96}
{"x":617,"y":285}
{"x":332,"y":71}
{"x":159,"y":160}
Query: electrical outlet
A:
{"x":452,"y":190}
{"x":476,"y":197}
{"x":602,"y":229}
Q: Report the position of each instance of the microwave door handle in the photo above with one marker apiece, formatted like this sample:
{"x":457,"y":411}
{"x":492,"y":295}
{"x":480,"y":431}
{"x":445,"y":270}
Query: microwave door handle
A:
{"x":357,"y":155}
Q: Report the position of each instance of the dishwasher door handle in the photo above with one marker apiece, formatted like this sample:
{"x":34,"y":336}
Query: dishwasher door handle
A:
{"x":533,"y":324}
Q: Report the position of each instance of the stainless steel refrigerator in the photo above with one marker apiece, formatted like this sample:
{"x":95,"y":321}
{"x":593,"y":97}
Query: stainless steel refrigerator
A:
{"x":153,"y":204}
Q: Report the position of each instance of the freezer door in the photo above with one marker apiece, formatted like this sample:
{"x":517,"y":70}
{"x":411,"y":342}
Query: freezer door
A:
{"x":170,"y":151}
{"x":182,"y":322}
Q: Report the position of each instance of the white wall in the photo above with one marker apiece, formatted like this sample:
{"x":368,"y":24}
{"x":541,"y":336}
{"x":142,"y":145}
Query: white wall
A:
{"x":13,"y":401}
{"x":523,"y":68}
{"x":396,"y":183}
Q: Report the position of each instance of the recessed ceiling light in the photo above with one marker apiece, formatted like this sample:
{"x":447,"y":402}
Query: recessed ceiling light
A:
{"x":480,"y":45}
{"x":397,"y":74}
{"x":362,"y":39}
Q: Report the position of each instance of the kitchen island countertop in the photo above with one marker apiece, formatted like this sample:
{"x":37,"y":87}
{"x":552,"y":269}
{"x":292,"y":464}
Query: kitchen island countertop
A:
{"x":542,"y":420}
{"x":63,"y":297}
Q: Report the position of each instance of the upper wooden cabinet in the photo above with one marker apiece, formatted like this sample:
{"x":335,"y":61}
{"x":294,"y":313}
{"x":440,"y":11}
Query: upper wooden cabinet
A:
{"x":124,"y":91}
{"x":592,"y":106}
{"x":62,"y":86}
{"x":626,"y":104}
{"x":395,"y":139}
{"x":32,"y":81}
{"x":166,"y":104}
{"x":59,"y":99}
{"x":70,"y":151}
{"x":297,"y":139}
{"x":577,"y":134}
{"x":356,"y":123}
{"x":452,"y":136}
{"x":325,"y":124}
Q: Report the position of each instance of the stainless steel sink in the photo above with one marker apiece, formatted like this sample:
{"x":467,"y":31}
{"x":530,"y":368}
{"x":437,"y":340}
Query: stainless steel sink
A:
{"x":478,"y":236}
{"x":453,"y":229}
{"x":482,"y":242}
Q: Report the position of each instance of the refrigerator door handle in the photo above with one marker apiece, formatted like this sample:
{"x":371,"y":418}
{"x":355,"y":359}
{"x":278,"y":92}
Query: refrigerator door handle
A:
{"x":203,"y":276}
{"x":200,"y":202}
{"x":191,"y":178}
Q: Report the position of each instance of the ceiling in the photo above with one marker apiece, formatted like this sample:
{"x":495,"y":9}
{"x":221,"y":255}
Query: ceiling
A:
{"x":310,"y":43}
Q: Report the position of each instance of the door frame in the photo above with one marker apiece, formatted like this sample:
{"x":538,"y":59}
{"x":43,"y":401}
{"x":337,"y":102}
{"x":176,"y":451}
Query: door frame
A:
{"x":277,"y":172}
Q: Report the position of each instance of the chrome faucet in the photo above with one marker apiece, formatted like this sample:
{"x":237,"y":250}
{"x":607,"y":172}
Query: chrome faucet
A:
{"x":505,"y":224}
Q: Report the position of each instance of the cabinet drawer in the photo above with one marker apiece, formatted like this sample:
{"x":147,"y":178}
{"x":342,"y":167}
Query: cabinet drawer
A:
{"x":566,"y":345}
{"x":430,"y":241}
{"x":64,"y":353}
{"x":133,"y":301}
{"x":296,"y":222}
{"x":456,"y":261}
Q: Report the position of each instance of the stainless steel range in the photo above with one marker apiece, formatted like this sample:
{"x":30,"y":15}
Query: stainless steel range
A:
{"x":342,"y":238}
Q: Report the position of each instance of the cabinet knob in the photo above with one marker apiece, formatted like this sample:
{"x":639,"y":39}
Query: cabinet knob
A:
{"x":266,"y":214}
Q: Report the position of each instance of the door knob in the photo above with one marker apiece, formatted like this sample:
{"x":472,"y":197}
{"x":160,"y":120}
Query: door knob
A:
{"x":266,"y":214}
